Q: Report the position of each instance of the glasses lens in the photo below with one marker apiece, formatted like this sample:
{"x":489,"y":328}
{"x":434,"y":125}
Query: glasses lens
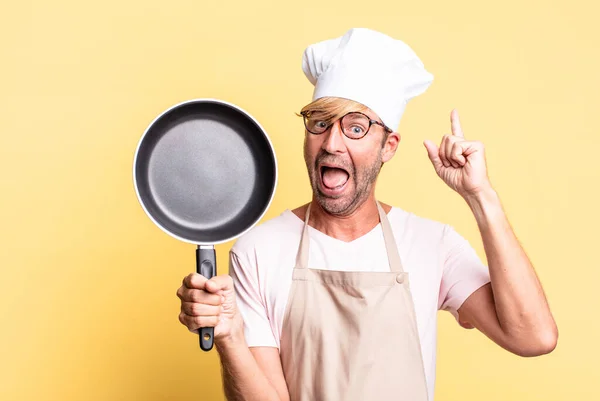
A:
{"x":355,"y":125}
{"x":315,"y":123}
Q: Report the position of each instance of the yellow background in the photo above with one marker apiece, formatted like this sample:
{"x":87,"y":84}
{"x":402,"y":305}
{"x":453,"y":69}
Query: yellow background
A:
{"x":87,"y":286}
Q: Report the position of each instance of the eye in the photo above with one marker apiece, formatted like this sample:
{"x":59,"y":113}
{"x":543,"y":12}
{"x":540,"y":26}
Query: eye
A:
{"x":320,"y":124}
{"x":357,"y":129}
{"x":355,"y":125}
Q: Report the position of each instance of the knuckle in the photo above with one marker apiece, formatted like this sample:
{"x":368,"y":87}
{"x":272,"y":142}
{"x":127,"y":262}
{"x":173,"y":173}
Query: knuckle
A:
{"x":206,"y":321}
{"x":200,"y":296}
{"x":208,"y":299}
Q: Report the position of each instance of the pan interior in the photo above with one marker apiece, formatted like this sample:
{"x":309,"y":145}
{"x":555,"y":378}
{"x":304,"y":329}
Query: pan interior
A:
{"x":208,"y":174}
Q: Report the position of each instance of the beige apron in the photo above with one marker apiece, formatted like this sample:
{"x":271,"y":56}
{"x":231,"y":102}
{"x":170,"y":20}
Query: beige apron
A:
{"x":351,"y":335}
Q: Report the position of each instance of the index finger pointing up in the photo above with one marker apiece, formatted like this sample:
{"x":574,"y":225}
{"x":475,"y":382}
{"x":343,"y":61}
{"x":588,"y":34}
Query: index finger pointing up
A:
{"x":455,"y":122}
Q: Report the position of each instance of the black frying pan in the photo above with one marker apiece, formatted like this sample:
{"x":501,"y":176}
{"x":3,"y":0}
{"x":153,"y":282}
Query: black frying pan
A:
{"x":205,"y":172}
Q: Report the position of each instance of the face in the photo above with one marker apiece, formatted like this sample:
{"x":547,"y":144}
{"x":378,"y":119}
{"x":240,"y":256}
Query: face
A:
{"x":343,"y":171}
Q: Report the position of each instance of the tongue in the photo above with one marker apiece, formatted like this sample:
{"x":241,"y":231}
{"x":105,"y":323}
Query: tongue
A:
{"x":334,"y":177}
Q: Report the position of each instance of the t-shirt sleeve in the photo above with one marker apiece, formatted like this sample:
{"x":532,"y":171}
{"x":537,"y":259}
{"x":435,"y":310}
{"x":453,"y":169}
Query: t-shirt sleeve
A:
{"x":463,"y":271}
{"x":257,"y":327}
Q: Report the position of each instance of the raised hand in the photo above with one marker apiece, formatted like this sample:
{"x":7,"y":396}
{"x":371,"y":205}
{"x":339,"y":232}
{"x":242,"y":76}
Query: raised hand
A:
{"x":458,"y":162}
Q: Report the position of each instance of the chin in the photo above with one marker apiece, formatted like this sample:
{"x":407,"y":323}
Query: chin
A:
{"x":334,"y":205}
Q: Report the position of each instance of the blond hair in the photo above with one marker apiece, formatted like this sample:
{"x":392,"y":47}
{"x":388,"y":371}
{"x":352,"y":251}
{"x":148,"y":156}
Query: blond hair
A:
{"x":336,"y":107}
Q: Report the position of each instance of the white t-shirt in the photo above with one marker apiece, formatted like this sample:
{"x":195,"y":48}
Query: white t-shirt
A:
{"x":443,"y":271}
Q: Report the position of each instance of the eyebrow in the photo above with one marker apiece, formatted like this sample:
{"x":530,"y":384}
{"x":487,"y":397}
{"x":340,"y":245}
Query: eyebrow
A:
{"x":317,"y":111}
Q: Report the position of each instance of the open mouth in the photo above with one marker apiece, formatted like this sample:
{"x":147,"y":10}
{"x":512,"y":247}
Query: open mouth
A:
{"x":333,"y":178}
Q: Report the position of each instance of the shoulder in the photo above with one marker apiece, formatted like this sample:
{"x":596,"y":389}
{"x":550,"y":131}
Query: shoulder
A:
{"x":273,"y":233}
{"x":409,"y":225}
{"x":431,"y":234}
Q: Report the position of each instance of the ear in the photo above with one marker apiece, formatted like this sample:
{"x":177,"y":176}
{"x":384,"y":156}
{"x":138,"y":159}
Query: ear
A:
{"x":389,"y":146}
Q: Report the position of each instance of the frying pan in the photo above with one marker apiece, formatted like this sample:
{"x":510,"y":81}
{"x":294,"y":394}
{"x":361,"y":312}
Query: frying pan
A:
{"x":205,"y":172}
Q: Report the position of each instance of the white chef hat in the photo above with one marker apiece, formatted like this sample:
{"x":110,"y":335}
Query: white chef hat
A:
{"x":368,"y":67}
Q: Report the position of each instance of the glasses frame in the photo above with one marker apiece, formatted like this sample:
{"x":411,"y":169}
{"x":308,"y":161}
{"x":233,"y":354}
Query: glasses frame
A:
{"x":305,"y":116}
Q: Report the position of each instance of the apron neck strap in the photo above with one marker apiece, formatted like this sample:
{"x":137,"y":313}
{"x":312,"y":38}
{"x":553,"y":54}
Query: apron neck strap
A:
{"x":388,"y":236}
{"x":390,"y":242}
{"x":302,"y":257}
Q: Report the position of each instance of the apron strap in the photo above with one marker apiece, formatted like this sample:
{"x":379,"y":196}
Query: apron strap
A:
{"x":388,"y":236}
{"x":390,"y":242}
{"x":302,"y":256}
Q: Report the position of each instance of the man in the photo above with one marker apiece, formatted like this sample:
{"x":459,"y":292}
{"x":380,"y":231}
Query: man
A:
{"x":337,"y":299}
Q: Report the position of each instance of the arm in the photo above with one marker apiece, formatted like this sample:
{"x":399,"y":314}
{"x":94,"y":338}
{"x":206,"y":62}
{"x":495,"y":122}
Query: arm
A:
{"x":251,"y":373}
{"x":251,"y":363}
{"x":247,"y":375}
{"x":512,"y":310}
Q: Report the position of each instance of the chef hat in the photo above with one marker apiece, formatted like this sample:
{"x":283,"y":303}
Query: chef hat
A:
{"x":368,"y":67}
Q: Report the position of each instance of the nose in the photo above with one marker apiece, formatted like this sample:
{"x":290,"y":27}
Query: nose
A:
{"x":334,"y":139}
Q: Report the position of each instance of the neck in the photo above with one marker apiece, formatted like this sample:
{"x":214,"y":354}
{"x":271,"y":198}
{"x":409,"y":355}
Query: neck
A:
{"x":349,"y":227}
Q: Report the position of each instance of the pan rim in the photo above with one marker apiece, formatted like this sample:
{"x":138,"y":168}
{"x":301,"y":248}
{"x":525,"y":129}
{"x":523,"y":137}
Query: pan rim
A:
{"x":204,"y":100}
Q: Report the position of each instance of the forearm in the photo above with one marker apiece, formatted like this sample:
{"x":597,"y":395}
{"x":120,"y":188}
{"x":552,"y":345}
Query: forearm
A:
{"x":520,"y":302}
{"x":243,"y":380}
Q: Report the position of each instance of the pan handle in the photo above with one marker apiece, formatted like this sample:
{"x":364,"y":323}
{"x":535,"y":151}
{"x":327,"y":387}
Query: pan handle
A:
{"x":206,"y":265}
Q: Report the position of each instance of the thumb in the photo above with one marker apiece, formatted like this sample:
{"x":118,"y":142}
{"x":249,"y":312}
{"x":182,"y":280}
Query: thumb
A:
{"x":218,"y":283}
{"x":433,"y":153}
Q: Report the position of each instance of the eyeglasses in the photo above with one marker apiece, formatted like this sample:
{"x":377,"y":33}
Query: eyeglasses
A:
{"x":355,"y":125}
